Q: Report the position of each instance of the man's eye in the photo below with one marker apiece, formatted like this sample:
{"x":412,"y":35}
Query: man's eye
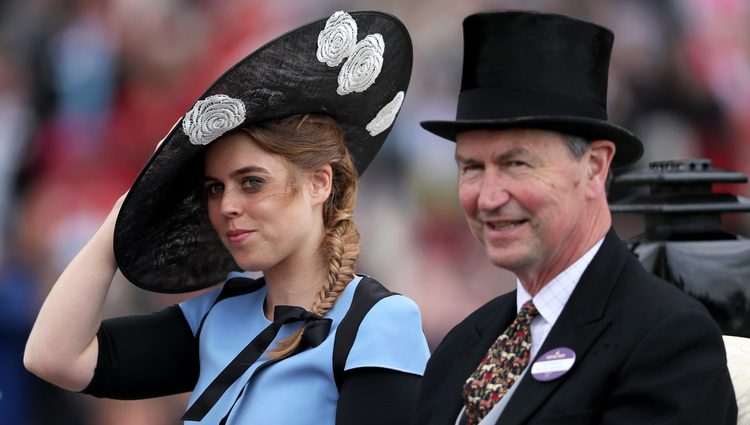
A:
{"x":470,"y":167}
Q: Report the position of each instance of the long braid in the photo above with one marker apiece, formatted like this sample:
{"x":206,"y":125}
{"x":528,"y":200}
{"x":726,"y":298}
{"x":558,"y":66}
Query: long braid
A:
{"x":343,"y":247}
{"x":340,"y":244}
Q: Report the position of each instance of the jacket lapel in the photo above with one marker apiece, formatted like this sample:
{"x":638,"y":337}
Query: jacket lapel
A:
{"x":473,"y":348}
{"x":579,"y":325}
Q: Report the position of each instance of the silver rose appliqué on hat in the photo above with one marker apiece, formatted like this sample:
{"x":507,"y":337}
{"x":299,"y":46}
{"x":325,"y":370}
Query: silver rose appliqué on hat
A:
{"x":338,"y":38}
{"x":385,"y":116}
{"x":212,"y":117}
{"x":363,"y":66}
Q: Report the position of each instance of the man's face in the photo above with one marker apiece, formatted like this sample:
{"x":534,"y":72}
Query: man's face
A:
{"x":523,"y":193}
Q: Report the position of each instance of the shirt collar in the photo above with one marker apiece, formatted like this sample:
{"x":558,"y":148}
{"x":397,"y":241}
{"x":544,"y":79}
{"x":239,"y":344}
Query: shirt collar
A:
{"x":553,"y":296}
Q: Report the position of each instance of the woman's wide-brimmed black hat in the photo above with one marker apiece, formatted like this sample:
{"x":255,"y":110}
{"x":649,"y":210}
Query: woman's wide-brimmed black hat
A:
{"x":354,"y":67}
{"x":537,"y":70}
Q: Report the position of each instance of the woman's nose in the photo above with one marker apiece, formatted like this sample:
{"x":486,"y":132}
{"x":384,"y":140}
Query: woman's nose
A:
{"x":230,"y":205}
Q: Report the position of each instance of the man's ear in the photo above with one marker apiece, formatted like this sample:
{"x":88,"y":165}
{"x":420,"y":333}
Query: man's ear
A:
{"x":321,"y":181}
{"x":599,"y":158}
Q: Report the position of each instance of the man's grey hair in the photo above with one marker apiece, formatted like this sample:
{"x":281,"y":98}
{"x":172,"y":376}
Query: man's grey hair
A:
{"x":578,"y":146}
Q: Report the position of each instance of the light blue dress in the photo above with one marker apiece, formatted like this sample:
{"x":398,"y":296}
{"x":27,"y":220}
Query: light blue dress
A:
{"x":300,"y":389}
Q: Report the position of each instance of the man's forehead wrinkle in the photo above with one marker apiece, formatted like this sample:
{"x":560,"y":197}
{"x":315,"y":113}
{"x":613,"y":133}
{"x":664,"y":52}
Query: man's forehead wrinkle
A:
{"x":509,"y":153}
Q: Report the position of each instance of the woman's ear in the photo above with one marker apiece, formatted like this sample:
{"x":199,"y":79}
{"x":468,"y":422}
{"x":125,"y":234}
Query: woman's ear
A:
{"x":321,"y":183}
{"x":600,"y":154}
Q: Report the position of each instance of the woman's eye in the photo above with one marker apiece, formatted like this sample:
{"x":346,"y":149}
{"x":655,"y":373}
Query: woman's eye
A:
{"x":213,"y":189}
{"x":252,"y":183}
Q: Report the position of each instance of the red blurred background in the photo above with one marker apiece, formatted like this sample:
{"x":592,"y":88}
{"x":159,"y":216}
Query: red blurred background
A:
{"x":88,"y":87}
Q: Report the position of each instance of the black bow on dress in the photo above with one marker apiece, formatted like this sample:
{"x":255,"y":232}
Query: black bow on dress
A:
{"x":316,"y":330}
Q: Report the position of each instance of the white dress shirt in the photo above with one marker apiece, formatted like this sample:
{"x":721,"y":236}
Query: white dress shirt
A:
{"x":549,"y":301}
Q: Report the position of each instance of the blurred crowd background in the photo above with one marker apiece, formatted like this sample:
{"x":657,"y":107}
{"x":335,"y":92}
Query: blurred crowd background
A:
{"x":88,"y":87}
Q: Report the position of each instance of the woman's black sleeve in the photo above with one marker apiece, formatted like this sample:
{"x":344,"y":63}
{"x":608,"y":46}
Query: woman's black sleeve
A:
{"x":371,"y":395}
{"x":145,"y":356}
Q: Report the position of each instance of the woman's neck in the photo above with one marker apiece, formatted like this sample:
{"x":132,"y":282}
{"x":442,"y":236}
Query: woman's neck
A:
{"x":294,"y":284}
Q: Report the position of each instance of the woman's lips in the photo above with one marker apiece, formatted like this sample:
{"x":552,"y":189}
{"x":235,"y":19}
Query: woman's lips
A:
{"x":236,"y":237}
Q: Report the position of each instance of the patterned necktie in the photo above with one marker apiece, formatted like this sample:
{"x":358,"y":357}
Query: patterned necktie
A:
{"x":500,"y":367}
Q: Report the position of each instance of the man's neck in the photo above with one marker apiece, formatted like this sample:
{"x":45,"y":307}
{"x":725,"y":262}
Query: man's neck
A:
{"x":534,"y":278}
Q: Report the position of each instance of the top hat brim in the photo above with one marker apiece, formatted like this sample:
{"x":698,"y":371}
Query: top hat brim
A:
{"x":628,"y":148}
{"x":507,"y":83}
{"x":163,"y":240}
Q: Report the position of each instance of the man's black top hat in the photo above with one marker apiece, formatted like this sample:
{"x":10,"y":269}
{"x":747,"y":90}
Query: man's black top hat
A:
{"x":537,"y":70}
{"x":354,"y":67}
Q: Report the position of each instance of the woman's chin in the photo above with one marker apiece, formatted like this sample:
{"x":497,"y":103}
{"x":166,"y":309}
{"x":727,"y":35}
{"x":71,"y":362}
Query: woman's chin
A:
{"x":253,"y":265}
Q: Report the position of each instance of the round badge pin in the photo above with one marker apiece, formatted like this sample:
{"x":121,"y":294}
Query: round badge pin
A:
{"x":553,"y":364}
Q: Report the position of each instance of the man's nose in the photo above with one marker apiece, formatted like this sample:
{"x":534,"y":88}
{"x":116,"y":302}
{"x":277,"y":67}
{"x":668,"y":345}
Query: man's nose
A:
{"x":493,"y":192}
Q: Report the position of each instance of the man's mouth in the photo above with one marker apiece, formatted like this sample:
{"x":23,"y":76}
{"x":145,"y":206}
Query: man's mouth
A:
{"x":502,"y":225}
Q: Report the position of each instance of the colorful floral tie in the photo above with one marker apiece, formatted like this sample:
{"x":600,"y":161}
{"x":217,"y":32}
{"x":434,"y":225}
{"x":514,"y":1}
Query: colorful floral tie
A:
{"x":500,"y":367}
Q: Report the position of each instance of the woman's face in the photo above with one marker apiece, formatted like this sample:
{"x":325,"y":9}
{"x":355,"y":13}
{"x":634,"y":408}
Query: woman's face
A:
{"x":264,"y":216}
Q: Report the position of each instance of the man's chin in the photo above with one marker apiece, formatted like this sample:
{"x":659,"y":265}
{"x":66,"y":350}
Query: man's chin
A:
{"x":506,"y":258}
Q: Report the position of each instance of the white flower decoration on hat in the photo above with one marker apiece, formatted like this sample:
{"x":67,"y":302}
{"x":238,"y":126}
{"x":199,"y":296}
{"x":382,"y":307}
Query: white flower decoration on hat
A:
{"x":385,"y":116}
{"x":363,"y":66}
{"x":338,"y":38}
{"x":212,"y":117}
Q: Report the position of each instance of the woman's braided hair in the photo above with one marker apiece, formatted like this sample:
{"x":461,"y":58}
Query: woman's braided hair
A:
{"x":308,"y":142}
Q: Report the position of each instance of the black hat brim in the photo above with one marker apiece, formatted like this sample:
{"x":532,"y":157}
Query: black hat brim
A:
{"x":628,"y":147}
{"x":163,"y":241}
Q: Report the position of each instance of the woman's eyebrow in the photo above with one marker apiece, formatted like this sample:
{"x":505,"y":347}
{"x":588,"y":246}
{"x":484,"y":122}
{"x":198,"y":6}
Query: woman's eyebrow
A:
{"x":248,"y":169}
{"x":240,"y":171}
